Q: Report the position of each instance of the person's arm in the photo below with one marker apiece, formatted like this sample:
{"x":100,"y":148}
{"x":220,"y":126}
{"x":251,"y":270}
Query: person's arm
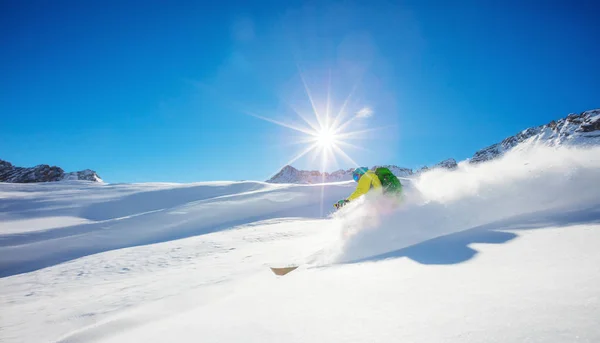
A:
{"x":363,"y":187}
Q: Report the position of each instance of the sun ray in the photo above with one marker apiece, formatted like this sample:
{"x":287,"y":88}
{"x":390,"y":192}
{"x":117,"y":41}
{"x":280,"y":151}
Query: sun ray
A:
{"x":298,"y":113}
{"x":304,"y":152}
{"x":353,"y":146}
{"x":344,"y":155}
{"x":323,"y":161}
{"x":297,"y":157}
{"x":352,"y":134}
{"x":304,"y":140}
{"x":323,"y":168}
{"x":340,"y":115}
{"x":298,"y":141}
{"x":289,"y":126}
{"x":328,"y":108}
{"x":345,"y":124}
{"x":334,"y":161}
{"x":312,"y":103}
{"x":314,"y":155}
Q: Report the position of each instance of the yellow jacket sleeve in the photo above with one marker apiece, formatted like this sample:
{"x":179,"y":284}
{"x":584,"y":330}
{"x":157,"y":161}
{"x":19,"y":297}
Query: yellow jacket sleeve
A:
{"x":364,"y":185}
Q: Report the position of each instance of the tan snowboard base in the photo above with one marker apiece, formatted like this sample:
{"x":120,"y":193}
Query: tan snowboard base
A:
{"x":283,"y":270}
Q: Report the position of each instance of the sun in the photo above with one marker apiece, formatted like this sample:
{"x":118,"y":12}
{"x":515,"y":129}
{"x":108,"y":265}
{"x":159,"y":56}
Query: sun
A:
{"x":326,"y":138}
{"x":326,"y":129}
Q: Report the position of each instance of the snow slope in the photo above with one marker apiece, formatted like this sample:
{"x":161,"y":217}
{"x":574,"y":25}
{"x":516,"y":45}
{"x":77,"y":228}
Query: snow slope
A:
{"x":100,"y":218}
{"x":501,"y":251}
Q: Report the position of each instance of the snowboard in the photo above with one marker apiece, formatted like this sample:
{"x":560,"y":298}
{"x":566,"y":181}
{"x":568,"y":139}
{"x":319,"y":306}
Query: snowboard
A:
{"x":280,"y":271}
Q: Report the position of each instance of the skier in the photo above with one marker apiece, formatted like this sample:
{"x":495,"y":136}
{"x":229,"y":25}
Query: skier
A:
{"x":382,"y":179}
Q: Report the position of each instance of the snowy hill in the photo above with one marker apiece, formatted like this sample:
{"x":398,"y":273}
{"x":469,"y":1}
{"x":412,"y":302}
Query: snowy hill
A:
{"x":42,"y":173}
{"x":500,"y":251}
{"x":576,"y":129}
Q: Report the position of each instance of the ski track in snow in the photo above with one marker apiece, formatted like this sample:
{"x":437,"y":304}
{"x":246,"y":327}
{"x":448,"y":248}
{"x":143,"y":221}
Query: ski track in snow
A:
{"x":83,"y":262}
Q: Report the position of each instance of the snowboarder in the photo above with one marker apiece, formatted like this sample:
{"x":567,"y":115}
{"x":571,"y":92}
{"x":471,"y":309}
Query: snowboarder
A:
{"x":382,"y":179}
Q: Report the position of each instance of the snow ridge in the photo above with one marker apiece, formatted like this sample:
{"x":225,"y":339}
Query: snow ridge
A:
{"x":575,"y":129}
{"x":42,"y":173}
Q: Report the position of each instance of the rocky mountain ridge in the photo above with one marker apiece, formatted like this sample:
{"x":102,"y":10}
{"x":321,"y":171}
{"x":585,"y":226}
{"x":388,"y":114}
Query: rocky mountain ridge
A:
{"x":575,"y":129}
{"x":42,"y":173}
{"x":290,"y":174}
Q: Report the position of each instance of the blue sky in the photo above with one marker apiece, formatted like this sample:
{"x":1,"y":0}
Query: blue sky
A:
{"x":165,"y":91}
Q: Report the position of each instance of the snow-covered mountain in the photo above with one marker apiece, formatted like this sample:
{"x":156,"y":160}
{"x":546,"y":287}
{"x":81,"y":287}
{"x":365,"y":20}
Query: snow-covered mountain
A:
{"x":42,"y":173}
{"x":576,"y":129}
{"x":449,"y":163}
{"x":290,"y":174}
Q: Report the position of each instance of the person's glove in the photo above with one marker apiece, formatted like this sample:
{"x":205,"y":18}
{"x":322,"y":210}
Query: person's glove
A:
{"x":340,"y":204}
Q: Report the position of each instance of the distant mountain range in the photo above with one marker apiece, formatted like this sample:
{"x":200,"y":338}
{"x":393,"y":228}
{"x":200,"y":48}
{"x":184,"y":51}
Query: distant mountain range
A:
{"x":575,"y":129}
{"x":290,"y":174}
{"x":42,"y":173}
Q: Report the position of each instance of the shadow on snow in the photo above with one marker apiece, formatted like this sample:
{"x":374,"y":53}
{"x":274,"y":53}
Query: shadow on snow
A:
{"x":454,"y":248}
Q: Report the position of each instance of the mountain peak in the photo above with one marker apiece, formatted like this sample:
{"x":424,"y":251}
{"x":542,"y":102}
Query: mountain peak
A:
{"x":574,"y":129}
{"x":42,"y":173}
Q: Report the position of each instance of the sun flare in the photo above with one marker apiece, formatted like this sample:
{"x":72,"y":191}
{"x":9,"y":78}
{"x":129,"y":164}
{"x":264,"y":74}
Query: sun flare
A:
{"x":326,"y":138}
{"x":327,"y":127}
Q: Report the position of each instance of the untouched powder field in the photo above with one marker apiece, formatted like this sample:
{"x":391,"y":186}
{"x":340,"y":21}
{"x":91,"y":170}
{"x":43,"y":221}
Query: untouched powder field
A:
{"x":504,"y":251}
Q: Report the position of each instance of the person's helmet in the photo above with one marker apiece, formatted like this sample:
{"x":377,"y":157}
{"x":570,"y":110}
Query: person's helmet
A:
{"x":358,"y":172}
